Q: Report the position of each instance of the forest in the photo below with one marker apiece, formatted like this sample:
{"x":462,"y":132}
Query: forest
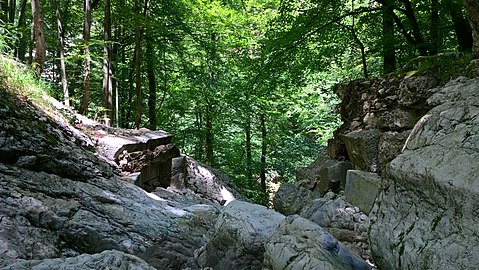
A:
{"x":245,"y":86}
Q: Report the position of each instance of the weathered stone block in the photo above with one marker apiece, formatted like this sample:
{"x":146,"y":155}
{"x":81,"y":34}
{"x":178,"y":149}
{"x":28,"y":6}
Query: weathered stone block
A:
{"x":333,"y":177}
{"x":390,"y":146}
{"x":178,"y":172}
{"x":312,"y":171}
{"x":362,"y":188}
{"x":362,"y":146}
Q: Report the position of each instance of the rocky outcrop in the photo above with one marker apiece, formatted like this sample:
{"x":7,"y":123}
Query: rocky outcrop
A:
{"x":290,"y":198}
{"x":377,"y":116}
{"x":238,"y":238}
{"x":426,"y":216}
{"x":302,"y":244}
{"x":59,"y":199}
{"x":144,"y":156}
{"x":110,"y":259}
{"x":323,"y":174}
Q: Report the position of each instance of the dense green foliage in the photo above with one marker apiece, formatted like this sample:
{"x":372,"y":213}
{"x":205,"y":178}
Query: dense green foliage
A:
{"x":244,"y":85}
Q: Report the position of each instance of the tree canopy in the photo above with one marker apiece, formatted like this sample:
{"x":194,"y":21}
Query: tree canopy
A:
{"x":243,"y":85}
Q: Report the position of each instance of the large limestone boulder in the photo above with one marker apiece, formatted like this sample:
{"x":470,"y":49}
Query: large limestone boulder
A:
{"x":302,"y":244}
{"x":427,"y":215}
{"x":239,"y":236}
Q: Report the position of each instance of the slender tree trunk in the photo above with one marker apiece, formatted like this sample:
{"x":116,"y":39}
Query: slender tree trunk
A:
{"x":389,"y":52}
{"x":263,"y":152}
{"x":434,"y":27}
{"x":139,"y":100}
{"x":107,"y":82}
{"x":150,"y":66}
{"x":21,"y":48}
{"x":209,"y":135}
{"x":462,"y":28}
{"x":40,"y":52}
{"x":30,"y":45}
{"x":86,"y":70}
{"x":359,"y":42}
{"x":63,"y":75}
{"x":472,"y":8}
{"x":249,"y":155}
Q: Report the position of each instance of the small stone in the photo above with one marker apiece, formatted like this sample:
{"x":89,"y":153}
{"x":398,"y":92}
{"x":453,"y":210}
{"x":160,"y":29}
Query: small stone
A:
{"x":26,"y":161}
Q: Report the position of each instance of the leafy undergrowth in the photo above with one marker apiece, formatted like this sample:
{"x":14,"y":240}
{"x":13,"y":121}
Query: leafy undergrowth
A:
{"x":17,"y":79}
{"x":444,"y":66}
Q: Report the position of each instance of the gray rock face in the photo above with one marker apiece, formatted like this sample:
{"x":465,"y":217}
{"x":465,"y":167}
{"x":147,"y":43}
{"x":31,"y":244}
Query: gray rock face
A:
{"x":302,"y":244}
{"x":290,"y":199}
{"x":344,"y":221}
{"x":239,"y":236}
{"x":427,"y":218}
{"x":210,"y":183}
{"x":414,"y":91}
{"x":110,"y":259}
{"x":46,"y":216}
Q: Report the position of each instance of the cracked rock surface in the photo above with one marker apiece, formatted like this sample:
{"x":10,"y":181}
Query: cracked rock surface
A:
{"x":59,"y":200}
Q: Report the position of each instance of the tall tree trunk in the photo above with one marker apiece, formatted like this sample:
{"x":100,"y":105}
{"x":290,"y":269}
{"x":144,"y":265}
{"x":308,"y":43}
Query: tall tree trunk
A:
{"x":150,"y":66}
{"x":21,"y":48}
{"x":11,"y":12}
{"x":199,"y":128}
{"x":389,"y":52}
{"x":249,"y":155}
{"x":462,"y":28}
{"x":416,"y":32}
{"x":63,"y":75}
{"x":434,"y":27}
{"x":262,"y":174}
{"x":139,"y":100}
{"x":164,"y":87}
{"x":129,"y":106}
{"x":86,"y":70}
{"x":116,"y":70}
{"x":40,"y":52}
{"x":4,"y":10}
{"x":472,"y":8}
{"x":107,"y":82}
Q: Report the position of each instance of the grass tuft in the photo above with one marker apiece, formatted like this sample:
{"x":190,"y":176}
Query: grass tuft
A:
{"x":18,"y":79}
